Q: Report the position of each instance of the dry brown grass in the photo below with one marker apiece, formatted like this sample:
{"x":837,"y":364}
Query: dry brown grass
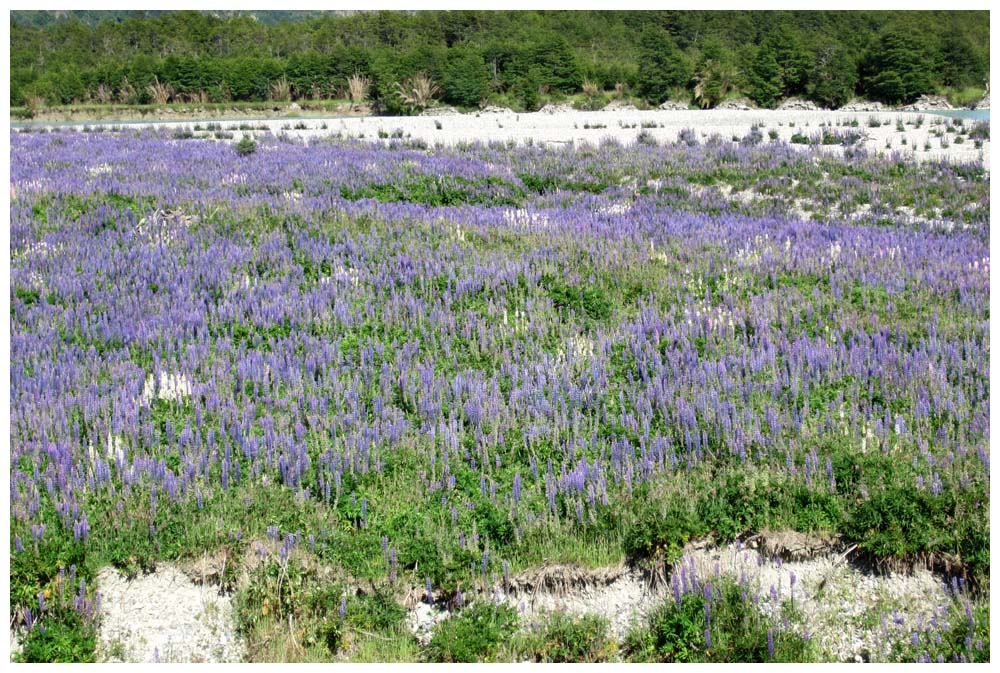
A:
{"x":357,"y":89}
{"x":418,"y":91}
{"x":160,"y":93}
{"x":104,"y":94}
{"x":35,"y":102}
{"x":280,"y":89}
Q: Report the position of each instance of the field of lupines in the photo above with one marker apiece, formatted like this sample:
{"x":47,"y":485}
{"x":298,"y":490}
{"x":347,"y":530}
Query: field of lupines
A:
{"x":363,"y":373}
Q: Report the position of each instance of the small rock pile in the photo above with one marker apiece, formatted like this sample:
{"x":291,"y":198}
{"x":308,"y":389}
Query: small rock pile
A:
{"x":863,"y":106}
{"x":673,"y":105}
{"x":619,"y":106}
{"x":556,"y":109}
{"x":736,"y":104}
{"x":797,"y":104}
{"x":496,"y":110}
{"x":446,"y":111}
{"x":928,"y":102}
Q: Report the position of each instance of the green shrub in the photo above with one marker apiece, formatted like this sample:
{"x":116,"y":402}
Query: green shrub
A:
{"x":572,"y":638}
{"x":736,"y":631}
{"x":902,"y":522}
{"x":62,"y":637}
{"x":473,"y":635}
{"x":662,"y":532}
{"x":587,"y":300}
{"x":246,"y":146}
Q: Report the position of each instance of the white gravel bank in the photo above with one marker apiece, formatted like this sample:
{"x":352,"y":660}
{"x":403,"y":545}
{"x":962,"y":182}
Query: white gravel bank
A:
{"x":563,"y":127}
{"x":164,"y":617}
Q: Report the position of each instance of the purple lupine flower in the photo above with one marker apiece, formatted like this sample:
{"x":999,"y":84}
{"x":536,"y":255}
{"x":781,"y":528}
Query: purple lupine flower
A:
{"x":770,"y":644}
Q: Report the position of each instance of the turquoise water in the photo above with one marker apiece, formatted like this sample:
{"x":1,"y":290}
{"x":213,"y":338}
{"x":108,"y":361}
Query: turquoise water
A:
{"x":964,"y":114}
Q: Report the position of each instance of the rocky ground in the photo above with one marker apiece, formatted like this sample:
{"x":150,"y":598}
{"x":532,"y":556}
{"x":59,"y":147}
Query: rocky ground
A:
{"x":164,"y":617}
{"x":561,"y":124}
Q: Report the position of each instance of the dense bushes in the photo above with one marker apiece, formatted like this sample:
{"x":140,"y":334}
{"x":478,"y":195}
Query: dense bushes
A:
{"x":198,"y":57}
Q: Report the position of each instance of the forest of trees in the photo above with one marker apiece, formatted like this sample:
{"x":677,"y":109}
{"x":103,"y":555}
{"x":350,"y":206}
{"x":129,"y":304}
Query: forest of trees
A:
{"x":471,"y":57}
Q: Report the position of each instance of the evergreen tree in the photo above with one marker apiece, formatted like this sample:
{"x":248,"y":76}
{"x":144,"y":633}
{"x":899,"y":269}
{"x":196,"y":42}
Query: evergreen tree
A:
{"x":793,"y":60}
{"x":556,"y":64}
{"x":466,"y":80}
{"x":662,"y":66}
{"x":765,"y":79}
{"x":896,"y":69}
{"x":834,"y":75}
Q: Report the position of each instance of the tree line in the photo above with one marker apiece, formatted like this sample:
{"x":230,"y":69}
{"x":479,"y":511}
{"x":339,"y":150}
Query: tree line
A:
{"x":397,"y":61}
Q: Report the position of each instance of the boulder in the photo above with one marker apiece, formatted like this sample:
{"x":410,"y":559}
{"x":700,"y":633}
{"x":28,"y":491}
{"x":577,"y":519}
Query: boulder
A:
{"x":673,"y":105}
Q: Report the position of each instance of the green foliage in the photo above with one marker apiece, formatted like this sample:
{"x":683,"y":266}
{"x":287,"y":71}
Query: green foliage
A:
{"x":585,"y":299}
{"x":527,"y":90}
{"x":62,"y":636}
{"x":466,"y":81}
{"x":662,"y":66}
{"x":246,"y":146}
{"x":901,"y":522}
{"x":573,"y":639}
{"x":472,"y":635}
{"x":742,"y":501}
{"x":765,"y":79}
{"x":376,"y":611}
{"x":435,"y":190}
{"x":230,"y":56}
{"x":555,"y":64}
{"x":662,"y":532}
{"x":793,"y":60}
{"x":896,"y":68}
{"x":737,"y":631}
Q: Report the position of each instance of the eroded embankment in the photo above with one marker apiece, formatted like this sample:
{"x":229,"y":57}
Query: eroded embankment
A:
{"x":804,"y":584}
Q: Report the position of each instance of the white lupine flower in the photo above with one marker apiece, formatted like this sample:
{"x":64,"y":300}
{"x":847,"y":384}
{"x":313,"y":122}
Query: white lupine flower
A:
{"x":172,"y":387}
